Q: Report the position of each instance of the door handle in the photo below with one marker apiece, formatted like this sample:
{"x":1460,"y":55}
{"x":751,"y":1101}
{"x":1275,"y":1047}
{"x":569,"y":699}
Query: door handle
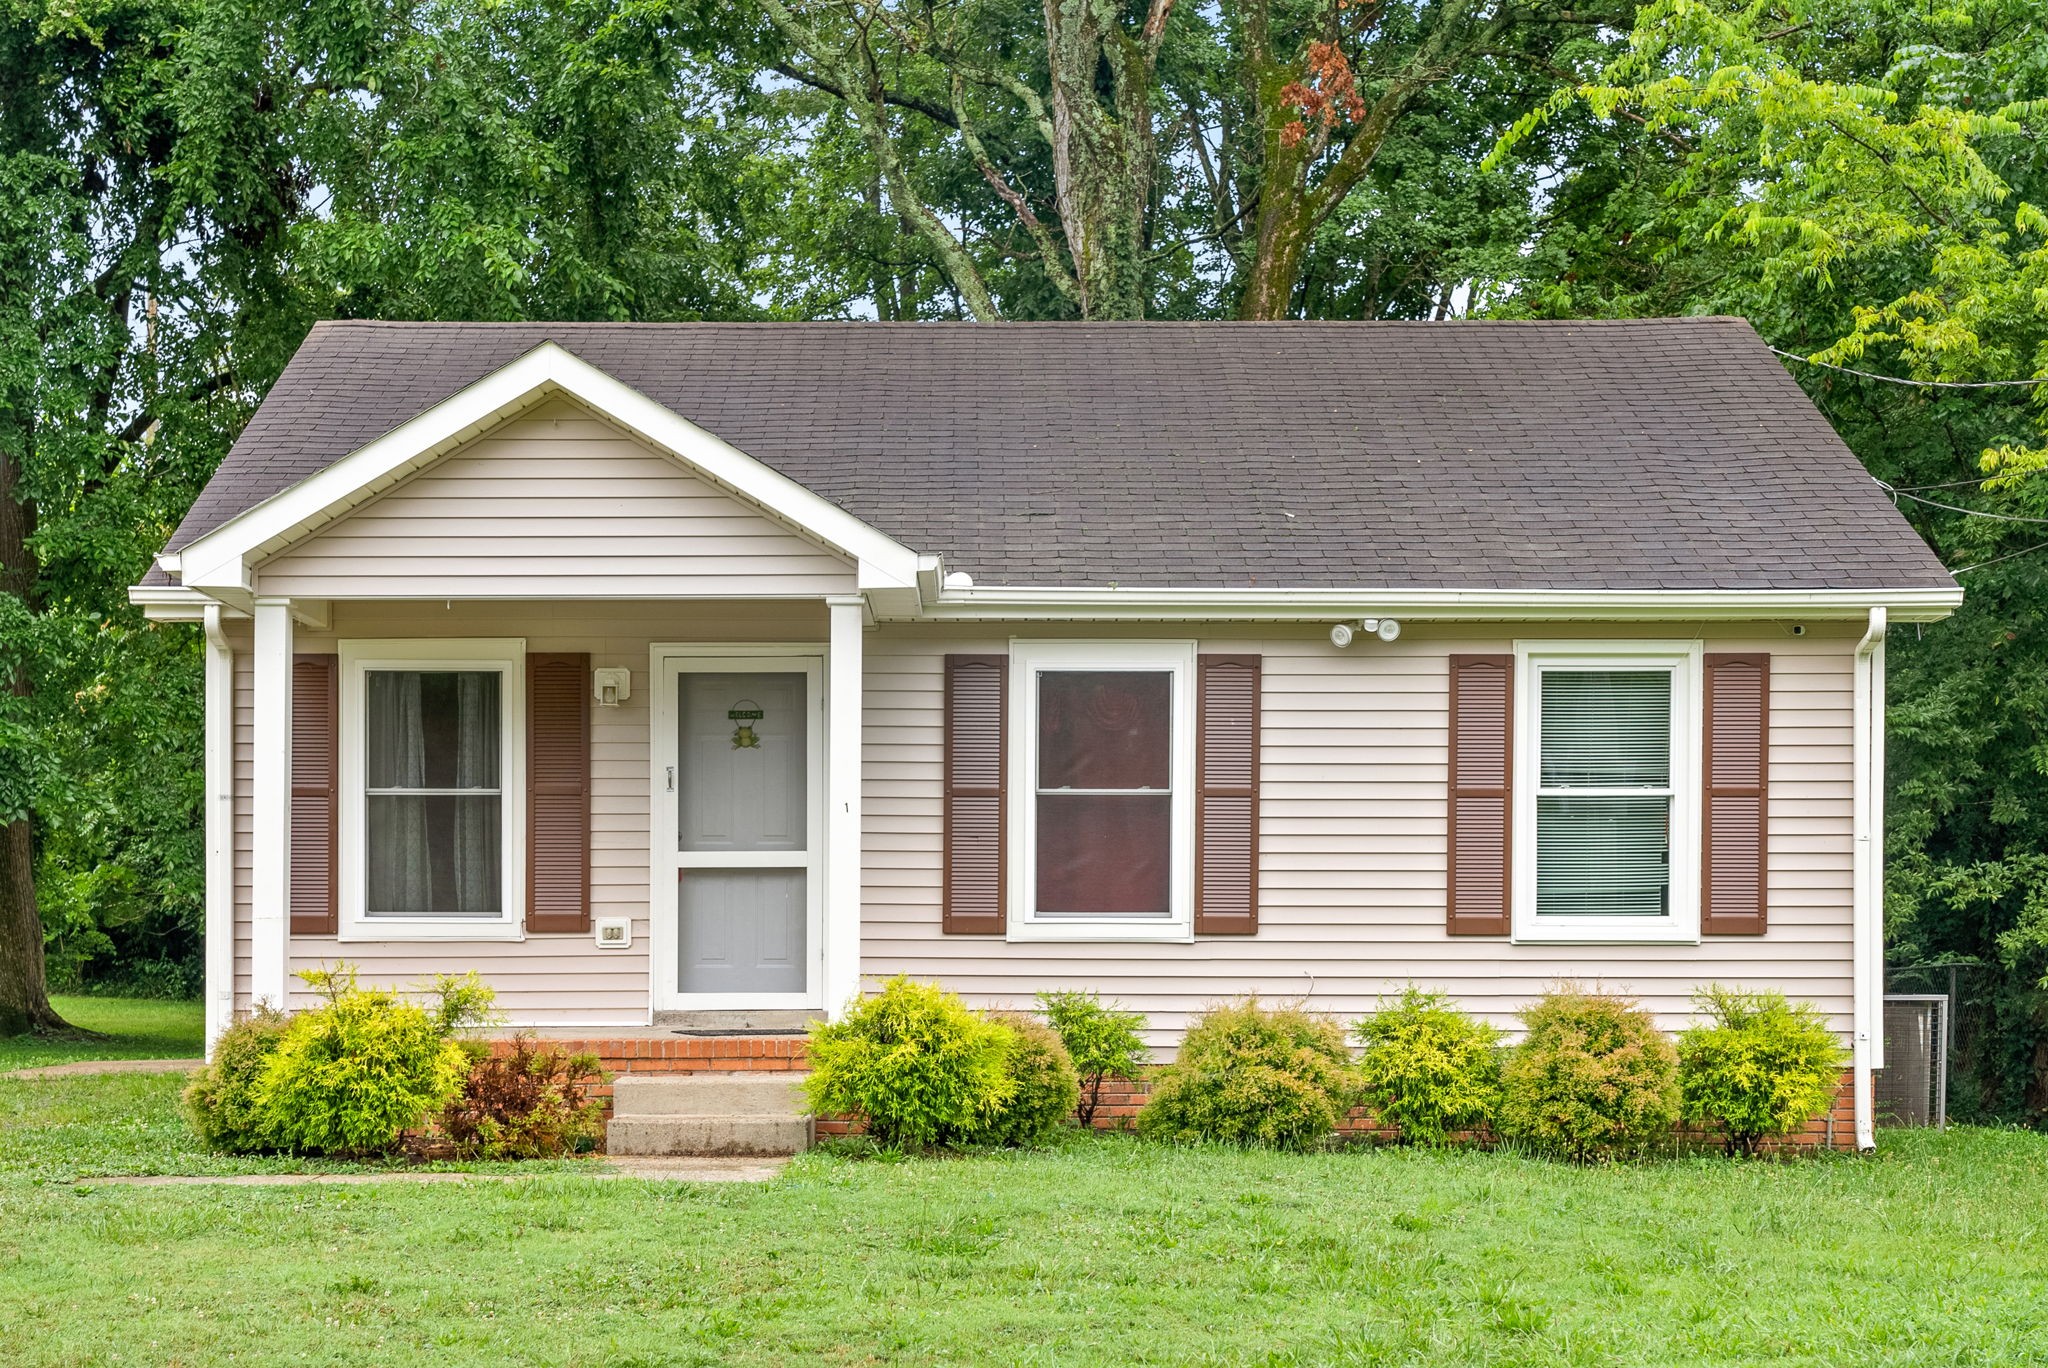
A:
{"x":671,"y":778}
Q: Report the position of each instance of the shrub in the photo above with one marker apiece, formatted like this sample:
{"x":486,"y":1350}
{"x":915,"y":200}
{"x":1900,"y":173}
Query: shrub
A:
{"x":351,"y":1076}
{"x":1103,"y":1042}
{"x":221,"y":1101}
{"x":1593,"y":1077}
{"x":526,"y":1104}
{"x":1247,"y":1075}
{"x":1427,"y":1067}
{"x":1759,"y":1067}
{"x":1044,"y":1084}
{"x":912,"y":1062}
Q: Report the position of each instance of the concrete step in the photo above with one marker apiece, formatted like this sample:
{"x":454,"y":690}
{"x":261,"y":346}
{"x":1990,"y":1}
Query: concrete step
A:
{"x":740,"y":1134}
{"x":708,"y":1095}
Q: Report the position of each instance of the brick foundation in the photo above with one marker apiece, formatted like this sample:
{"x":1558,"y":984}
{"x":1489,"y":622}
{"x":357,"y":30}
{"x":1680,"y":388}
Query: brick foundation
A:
{"x":1121,"y":1098}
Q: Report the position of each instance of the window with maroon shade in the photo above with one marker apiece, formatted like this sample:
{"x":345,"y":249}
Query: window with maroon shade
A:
{"x":1103,"y":736}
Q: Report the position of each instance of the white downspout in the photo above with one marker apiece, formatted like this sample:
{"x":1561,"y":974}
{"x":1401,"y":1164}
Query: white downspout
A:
{"x":1868,"y":873}
{"x":219,"y":817}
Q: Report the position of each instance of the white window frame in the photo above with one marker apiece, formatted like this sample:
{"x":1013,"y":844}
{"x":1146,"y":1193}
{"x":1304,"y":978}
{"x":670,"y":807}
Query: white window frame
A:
{"x":1681,"y":926}
{"x":507,"y":655}
{"x":1027,"y":659}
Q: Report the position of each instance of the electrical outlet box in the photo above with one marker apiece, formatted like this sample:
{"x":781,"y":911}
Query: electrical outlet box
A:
{"x":613,"y":933}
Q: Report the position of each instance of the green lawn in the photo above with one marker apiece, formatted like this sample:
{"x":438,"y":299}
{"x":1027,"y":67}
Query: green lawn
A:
{"x":1105,"y":1251}
{"x":131,"y":1028}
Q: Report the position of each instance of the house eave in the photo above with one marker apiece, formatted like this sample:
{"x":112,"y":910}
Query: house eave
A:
{"x":998,"y":603}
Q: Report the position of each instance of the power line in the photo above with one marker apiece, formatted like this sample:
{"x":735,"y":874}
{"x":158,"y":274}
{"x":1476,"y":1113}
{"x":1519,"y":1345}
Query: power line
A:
{"x":1958,"y":508}
{"x":1961,"y":484}
{"x":2010,"y":555}
{"x":1901,"y":380}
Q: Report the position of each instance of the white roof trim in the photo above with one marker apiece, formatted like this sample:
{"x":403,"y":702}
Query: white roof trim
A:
{"x":1005,"y":603}
{"x":225,"y":558}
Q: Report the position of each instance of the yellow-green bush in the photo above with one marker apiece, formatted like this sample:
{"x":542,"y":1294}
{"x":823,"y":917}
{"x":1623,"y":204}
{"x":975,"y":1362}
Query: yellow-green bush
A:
{"x":1592,"y":1078}
{"x":1758,"y":1067}
{"x":220,"y":1101}
{"x":348,"y":1077}
{"x":914,"y":1063}
{"x":1428,"y":1067}
{"x":1248,"y":1075}
{"x":1103,"y":1042}
{"x":1045,"y":1086}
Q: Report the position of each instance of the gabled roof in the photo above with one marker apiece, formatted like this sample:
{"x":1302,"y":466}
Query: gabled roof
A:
{"x":1656,"y":455}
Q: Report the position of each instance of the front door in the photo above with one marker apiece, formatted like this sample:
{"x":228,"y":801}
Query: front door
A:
{"x":738,"y":751}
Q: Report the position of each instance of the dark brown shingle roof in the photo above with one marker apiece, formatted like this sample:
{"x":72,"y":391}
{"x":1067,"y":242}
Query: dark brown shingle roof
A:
{"x":1670,"y":454}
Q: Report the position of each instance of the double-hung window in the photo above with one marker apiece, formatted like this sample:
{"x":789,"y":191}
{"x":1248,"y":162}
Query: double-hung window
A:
{"x":1102,"y":800}
{"x":1606,"y":842}
{"x":431,"y":770}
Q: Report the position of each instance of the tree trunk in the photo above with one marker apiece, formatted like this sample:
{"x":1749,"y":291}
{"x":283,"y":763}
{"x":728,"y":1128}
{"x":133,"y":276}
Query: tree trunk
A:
{"x":1101,"y":158}
{"x":24,"y":996}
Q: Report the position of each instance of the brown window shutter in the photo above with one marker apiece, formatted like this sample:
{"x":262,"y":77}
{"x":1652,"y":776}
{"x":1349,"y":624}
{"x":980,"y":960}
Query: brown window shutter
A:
{"x":977,"y":699}
{"x":557,"y":791}
{"x":316,"y":794}
{"x":1482,"y":763}
{"x":1226,"y":795}
{"x":1733,"y":896}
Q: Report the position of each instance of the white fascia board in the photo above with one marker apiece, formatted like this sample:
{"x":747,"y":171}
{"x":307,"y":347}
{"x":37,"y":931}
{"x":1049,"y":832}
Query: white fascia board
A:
{"x":225,"y":557}
{"x":1000,"y":603}
{"x":170,"y":602}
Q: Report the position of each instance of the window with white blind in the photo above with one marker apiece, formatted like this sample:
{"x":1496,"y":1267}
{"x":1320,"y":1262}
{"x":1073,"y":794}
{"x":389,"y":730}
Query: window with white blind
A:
{"x":1606,"y":841}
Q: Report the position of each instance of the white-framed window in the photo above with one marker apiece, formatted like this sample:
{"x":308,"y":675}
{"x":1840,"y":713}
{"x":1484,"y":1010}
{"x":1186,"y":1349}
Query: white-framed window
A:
{"x":433,"y":783}
{"x":1102,"y":804}
{"x":1606,"y":822}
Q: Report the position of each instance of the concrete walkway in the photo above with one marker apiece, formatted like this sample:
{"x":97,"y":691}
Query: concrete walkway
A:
{"x":660,"y":1169}
{"x":85,"y":1067}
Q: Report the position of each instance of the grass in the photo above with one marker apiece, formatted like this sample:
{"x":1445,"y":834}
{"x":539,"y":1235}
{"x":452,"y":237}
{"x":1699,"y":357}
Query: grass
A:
{"x":1103,"y":1251}
{"x":132,"y":1028}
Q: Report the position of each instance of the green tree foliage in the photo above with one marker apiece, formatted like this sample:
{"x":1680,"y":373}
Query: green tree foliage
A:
{"x":1758,"y":1067}
{"x":1865,"y":180}
{"x":1427,"y":1067}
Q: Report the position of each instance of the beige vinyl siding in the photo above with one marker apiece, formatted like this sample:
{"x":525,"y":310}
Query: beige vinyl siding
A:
{"x":556,"y":503}
{"x":1352,"y":853}
{"x":546,"y":979}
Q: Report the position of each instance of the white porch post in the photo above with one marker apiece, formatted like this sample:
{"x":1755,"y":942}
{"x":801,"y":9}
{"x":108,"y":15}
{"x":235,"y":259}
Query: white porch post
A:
{"x":843,"y":701}
{"x":271,"y":798}
{"x":220,"y":828}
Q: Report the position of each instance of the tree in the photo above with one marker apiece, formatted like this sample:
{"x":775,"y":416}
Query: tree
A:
{"x":1866,"y":181}
{"x":185,"y":185}
{"x":1116,"y":149}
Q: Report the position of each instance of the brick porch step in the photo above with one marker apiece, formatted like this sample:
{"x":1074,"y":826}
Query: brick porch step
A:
{"x":708,"y":1114}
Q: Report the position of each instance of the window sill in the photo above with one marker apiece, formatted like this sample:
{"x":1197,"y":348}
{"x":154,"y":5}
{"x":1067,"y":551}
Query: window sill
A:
{"x":1100,"y":933}
{"x":1580,"y":933}
{"x":420,"y":930}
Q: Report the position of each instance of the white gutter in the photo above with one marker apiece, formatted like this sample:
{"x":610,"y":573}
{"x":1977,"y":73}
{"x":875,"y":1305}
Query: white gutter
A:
{"x":220,"y":828}
{"x":1010,"y":603}
{"x":1867,"y":878}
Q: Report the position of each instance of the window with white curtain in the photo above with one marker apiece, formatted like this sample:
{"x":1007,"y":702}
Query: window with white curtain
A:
{"x":1607,"y":848}
{"x":432,"y":805}
{"x":431,"y":765}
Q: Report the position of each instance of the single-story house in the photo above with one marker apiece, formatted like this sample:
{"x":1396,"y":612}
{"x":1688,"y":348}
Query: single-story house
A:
{"x":697,"y":676}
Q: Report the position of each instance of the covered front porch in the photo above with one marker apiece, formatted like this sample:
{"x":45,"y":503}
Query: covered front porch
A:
{"x":673,"y":859}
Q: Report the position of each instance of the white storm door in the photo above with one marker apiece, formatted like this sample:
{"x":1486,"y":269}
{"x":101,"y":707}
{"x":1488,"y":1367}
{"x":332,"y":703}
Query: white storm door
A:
{"x":738,"y":831}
